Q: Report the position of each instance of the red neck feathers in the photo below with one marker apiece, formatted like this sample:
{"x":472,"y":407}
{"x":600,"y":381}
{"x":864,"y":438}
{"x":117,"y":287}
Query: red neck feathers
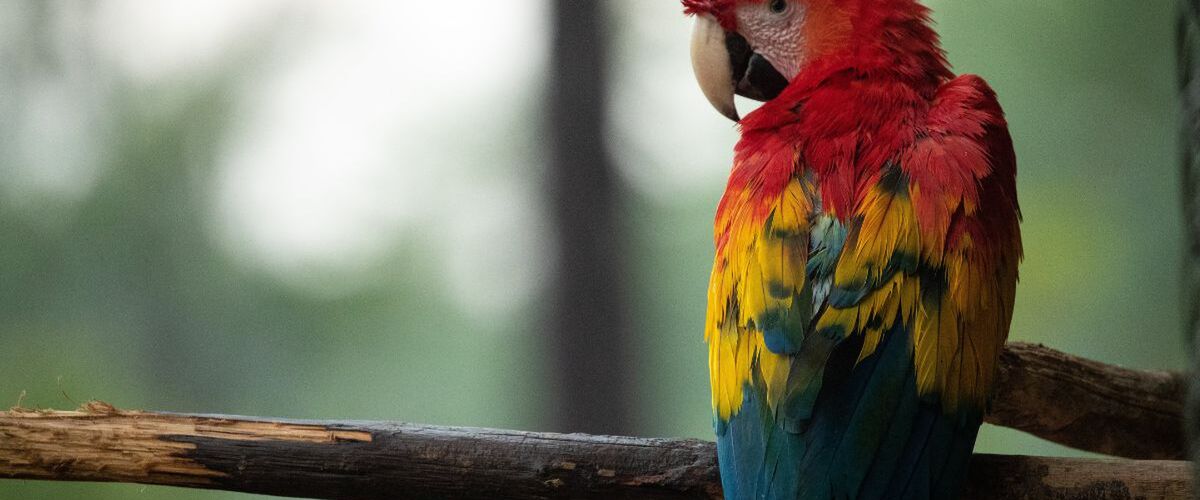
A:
{"x":859,"y":100}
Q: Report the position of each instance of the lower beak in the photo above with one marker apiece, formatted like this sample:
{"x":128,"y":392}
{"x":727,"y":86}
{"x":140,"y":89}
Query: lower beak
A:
{"x":726,"y":65}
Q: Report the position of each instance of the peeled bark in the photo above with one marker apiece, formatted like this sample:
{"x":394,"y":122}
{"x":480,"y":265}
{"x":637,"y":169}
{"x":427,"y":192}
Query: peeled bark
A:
{"x":388,"y":460}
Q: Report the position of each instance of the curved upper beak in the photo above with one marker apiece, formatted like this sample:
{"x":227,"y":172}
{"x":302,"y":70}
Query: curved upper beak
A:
{"x":710,"y":61}
{"x":725,"y":65}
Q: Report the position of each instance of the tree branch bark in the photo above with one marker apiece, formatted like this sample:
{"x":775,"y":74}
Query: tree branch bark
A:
{"x":1063,"y":398}
{"x":382,"y":460}
{"x":1091,"y":406}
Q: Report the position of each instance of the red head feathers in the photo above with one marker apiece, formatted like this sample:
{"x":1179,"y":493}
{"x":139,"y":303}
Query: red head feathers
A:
{"x":722,"y":10}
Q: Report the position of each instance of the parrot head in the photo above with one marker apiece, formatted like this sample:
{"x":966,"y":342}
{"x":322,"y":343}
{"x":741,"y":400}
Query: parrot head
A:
{"x":754,"y":48}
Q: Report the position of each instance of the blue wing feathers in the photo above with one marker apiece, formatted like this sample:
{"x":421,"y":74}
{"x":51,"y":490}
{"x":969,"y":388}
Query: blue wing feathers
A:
{"x":868,"y":436}
{"x":873,"y":414}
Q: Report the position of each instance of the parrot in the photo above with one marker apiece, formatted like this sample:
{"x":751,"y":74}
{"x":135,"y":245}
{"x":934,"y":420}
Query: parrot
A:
{"x":866,"y":250}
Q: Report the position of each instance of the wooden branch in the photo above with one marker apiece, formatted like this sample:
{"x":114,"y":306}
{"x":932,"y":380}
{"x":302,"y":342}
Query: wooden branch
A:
{"x":1062,"y":398}
{"x":1091,"y":406}
{"x":382,"y":460}
{"x":1037,"y":478}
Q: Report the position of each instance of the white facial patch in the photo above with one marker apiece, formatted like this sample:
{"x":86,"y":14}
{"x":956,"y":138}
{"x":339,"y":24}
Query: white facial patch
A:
{"x":775,"y":33}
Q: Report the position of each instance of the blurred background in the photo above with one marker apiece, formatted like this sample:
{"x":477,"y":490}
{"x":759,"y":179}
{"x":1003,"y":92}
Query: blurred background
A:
{"x":485,"y":213}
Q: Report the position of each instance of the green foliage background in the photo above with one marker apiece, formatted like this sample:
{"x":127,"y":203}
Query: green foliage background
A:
{"x":119,"y":290}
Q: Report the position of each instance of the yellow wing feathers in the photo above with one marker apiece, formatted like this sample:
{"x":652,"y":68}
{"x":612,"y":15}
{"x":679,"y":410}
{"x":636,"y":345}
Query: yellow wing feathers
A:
{"x":872,"y":282}
{"x":759,"y":272}
{"x":962,"y":326}
{"x":952,"y":300}
{"x":957,"y":299}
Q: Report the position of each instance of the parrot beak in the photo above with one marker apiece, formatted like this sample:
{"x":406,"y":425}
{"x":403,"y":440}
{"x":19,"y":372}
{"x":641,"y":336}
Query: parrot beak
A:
{"x":725,"y":65}
{"x":712,"y":64}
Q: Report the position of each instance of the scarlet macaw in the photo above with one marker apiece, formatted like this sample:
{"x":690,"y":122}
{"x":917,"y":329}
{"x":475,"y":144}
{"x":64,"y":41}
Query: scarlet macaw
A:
{"x":867,"y":248}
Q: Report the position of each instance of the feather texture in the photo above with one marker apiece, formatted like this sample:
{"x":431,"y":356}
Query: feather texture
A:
{"x":866,"y":264}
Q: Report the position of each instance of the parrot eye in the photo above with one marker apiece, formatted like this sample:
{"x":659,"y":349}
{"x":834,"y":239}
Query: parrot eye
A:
{"x":778,"y":6}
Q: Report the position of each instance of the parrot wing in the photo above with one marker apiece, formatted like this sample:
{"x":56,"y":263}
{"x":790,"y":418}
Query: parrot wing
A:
{"x":856,"y":360}
{"x":761,"y":306}
{"x":922,"y":294}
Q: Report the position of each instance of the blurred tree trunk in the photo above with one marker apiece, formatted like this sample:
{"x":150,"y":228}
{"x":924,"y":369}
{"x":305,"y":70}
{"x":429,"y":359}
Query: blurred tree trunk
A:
{"x":587,"y":330}
{"x":1188,"y":46}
